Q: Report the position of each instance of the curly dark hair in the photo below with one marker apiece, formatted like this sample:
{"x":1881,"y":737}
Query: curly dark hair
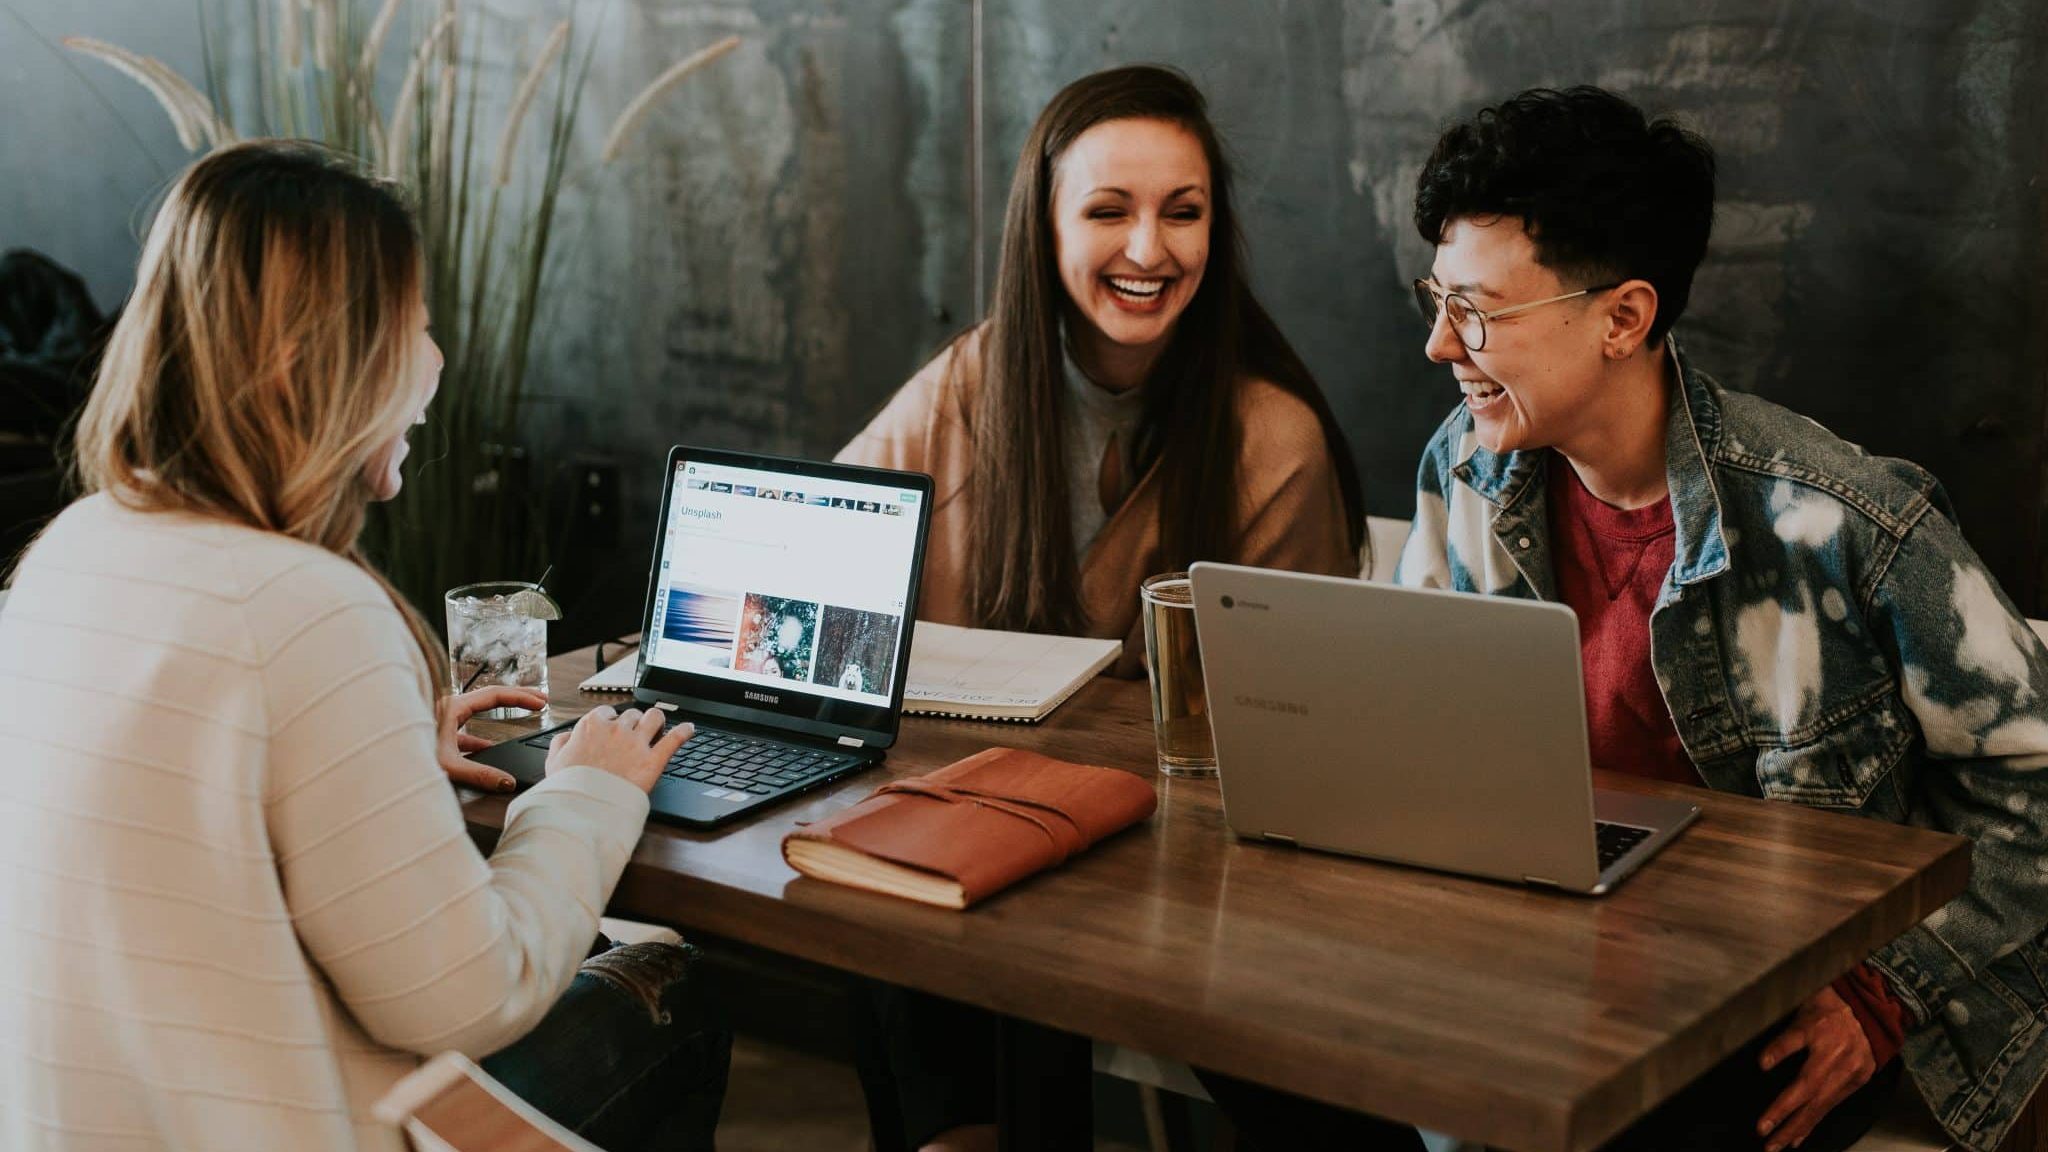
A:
{"x":1605,"y":193}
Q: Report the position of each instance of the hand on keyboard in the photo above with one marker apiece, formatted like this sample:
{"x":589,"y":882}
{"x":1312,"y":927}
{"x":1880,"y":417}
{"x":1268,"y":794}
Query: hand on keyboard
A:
{"x":629,"y":745}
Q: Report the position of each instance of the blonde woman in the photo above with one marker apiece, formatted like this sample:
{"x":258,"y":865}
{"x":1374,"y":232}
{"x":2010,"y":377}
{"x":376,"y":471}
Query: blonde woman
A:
{"x":237,"y":900}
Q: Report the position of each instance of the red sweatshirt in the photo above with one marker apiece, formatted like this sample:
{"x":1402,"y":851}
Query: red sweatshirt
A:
{"x":1610,"y":564}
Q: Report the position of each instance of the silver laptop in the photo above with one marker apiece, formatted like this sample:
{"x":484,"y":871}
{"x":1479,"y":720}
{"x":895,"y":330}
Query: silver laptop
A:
{"x":1438,"y":729}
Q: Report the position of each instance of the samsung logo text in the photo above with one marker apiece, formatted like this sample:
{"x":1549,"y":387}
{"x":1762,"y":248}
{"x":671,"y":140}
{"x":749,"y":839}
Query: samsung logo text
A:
{"x":1265,"y":705}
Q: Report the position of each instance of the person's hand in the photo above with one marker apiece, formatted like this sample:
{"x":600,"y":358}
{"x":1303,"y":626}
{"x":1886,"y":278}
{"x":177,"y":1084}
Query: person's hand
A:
{"x":1838,"y":1062}
{"x":628,"y":744}
{"x":453,"y":745}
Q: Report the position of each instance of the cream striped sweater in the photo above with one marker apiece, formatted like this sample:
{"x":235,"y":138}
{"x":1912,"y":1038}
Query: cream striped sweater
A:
{"x":236,"y":897}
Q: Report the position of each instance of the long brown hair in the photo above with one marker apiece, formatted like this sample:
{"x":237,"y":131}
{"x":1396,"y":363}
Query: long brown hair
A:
{"x":267,"y":354}
{"x":1026,"y":575}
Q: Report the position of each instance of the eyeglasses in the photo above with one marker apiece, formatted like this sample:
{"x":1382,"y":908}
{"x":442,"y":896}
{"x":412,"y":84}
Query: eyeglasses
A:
{"x":1469,"y":322}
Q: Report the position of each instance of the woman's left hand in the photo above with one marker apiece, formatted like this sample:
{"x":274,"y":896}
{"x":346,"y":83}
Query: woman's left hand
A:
{"x":454,"y":744}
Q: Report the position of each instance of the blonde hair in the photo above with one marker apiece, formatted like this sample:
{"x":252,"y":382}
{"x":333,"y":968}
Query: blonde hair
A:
{"x":267,"y":355}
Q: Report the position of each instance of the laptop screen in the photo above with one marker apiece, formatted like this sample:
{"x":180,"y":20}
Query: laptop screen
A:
{"x":783,"y":584}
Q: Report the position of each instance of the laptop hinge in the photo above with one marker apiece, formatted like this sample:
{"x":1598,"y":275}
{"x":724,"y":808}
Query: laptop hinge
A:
{"x":851,"y":742}
{"x":1278,"y":838}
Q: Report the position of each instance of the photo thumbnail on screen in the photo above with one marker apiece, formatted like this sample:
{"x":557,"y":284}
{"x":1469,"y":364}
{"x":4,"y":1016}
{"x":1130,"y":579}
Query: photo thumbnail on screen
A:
{"x":703,"y":623}
{"x":777,"y":637}
{"x":857,"y":650}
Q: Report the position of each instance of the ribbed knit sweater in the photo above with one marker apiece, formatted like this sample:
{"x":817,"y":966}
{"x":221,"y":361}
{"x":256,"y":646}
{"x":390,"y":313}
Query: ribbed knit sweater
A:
{"x":237,"y":899}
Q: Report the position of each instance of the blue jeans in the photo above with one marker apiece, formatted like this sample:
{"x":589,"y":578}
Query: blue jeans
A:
{"x":633,"y":1056}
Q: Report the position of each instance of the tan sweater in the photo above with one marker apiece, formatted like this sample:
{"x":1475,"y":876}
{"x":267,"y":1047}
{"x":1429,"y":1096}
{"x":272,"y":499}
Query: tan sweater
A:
{"x":237,"y":899}
{"x":1290,"y":510}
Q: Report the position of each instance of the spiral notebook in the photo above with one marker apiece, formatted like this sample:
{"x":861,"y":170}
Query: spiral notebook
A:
{"x":970,"y":673}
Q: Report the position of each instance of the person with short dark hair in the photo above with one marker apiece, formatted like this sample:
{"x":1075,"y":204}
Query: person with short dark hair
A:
{"x":1763,"y":608}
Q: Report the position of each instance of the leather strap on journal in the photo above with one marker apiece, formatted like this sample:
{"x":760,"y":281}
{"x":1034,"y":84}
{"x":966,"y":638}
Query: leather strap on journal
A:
{"x":1065,"y":836}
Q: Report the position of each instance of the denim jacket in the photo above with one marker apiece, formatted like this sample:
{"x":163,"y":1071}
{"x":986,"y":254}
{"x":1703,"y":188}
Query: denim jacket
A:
{"x":1826,"y":636}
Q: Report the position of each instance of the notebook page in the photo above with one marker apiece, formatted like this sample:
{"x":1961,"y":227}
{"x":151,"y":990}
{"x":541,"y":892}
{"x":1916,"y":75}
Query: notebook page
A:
{"x":618,"y":676}
{"x":979,"y":667}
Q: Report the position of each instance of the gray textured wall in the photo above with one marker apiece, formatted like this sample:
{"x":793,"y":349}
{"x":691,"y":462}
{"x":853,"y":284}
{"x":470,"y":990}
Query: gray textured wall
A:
{"x":1880,"y":258}
{"x":796,"y":230}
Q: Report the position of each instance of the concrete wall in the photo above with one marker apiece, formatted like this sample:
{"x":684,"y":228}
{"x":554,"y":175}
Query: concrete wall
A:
{"x":797,"y":229}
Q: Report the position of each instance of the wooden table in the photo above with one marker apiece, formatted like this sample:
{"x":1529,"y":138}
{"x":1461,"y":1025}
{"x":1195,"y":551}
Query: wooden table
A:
{"x":1525,"y":1019}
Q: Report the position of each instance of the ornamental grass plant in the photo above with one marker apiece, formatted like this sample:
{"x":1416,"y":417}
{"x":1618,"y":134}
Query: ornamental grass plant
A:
{"x":471,"y":508}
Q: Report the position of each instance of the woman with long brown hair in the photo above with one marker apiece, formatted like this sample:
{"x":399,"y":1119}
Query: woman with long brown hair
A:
{"x":239,"y":897}
{"x":1127,"y":407}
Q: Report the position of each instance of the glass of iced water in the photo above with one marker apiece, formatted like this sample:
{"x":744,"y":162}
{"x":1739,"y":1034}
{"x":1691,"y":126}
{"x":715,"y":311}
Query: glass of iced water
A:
{"x":498,"y":634}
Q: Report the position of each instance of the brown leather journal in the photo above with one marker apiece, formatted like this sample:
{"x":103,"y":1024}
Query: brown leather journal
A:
{"x":971,"y":828}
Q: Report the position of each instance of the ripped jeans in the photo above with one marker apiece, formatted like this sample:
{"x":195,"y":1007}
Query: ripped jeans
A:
{"x":633,"y":1056}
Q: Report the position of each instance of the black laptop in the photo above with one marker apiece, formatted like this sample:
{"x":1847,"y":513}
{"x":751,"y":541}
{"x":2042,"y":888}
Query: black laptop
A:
{"x":778,"y":620}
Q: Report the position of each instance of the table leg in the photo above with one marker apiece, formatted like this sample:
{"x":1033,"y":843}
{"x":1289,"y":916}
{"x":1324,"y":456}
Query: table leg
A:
{"x":1044,"y":1079}
{"x":871,"y":1065}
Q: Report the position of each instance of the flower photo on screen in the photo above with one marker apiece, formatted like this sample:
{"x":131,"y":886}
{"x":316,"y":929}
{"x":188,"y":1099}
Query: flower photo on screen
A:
{"x":857,"y":650}
{"x":777,"y":636}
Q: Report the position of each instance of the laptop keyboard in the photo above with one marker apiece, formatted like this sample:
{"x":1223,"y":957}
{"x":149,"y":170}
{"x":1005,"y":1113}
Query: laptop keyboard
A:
{"x":1616,"y":840}
{"x":744,"y":763}
{"x":750,"y":763}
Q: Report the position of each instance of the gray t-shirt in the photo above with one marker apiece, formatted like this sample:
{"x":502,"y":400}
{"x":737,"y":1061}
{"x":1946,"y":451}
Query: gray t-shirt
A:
{"x":1094,"y":413}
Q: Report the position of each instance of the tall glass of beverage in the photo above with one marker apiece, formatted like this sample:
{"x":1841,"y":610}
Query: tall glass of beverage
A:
{"x":1180,"y":700}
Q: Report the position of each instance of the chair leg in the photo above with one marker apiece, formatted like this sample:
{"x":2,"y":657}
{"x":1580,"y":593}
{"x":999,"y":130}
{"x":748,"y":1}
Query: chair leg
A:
{"x":1155,"y":1120}
{"x":1169,"y":1119}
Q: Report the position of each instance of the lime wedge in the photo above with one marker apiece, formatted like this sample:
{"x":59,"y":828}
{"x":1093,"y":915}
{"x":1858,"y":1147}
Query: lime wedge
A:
{"x":535,"y":604}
